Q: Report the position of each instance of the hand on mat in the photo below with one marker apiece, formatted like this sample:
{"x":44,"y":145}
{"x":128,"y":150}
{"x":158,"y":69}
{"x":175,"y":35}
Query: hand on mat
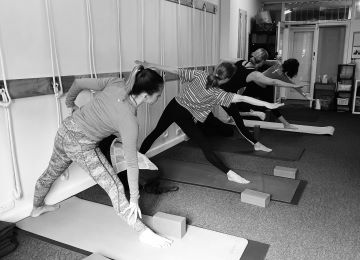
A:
{"x":74,"y":108}
{"x":274,"y":105}
{"x":134,"y":211}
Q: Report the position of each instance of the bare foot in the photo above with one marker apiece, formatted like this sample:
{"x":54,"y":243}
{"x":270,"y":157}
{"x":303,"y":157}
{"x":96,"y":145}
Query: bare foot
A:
{"x":290,"y":126}
{"x":260,"y":147}
{"x":233,"y":176}
{"x":150,"y":238}
{"x":37,"y":211}
{"x":258,"y":114}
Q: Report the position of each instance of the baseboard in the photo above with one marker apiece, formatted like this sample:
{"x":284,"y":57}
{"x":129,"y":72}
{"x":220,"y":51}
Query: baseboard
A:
{"x":158,"y":149}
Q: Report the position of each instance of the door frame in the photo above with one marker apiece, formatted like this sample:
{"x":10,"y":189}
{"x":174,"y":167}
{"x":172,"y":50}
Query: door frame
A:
{"x":315,"y":30}
{"x":286,"y":26}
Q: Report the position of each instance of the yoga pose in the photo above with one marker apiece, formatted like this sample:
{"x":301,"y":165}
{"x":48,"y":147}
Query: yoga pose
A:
{"x":194,"y":103}
{"x":256,"y":84}
{"x":113,"y":110}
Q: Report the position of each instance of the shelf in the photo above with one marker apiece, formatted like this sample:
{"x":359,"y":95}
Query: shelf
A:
{"x":345,"y":87}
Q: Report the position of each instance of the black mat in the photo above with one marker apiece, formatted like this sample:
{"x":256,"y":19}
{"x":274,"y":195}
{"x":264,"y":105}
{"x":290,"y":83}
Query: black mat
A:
{"x":281,"y":189}
{"x":255,"y":251}
{"x":241,"y":146}
{"x":300,"y":114}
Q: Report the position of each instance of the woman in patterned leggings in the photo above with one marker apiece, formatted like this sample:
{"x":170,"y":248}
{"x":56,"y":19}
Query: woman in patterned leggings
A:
{"x":113,"y":110}
{"x":195,"y":103}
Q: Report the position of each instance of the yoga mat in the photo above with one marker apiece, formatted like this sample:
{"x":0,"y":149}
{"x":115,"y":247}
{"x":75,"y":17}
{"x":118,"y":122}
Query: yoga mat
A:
{"x":96,"y":228}
{"x":308,"y":129}
{"x":241,"y":146}
{"x":281,"y":189}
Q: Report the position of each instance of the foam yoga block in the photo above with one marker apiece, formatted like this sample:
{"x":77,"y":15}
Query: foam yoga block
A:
{"x":257,"y":198}
{"x":285,"y":172}
{"x":169,"y":225}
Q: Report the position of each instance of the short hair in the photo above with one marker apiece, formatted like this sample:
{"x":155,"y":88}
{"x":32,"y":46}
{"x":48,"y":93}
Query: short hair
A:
{"x":290,"y":67}
{"x":260,"y":55}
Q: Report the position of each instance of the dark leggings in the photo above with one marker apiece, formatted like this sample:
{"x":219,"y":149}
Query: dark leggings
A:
{"x":213,"y":126}
{"x":265,"y":94}
{"x":175,"y":113}
{"x":234,"y":112}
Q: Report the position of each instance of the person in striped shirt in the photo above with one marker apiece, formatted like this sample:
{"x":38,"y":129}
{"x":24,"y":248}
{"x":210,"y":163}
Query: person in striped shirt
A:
{"x":195,"y":103}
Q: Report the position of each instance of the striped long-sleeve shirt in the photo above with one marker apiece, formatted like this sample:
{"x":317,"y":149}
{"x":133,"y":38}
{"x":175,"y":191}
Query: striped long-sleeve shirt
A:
{"x":198,"y":100}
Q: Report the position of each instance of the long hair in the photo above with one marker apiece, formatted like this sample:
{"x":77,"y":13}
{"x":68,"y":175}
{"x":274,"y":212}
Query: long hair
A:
{"x":225,"y":70}
{"x":258,"y":56}
{"x":290,"y":67}
{"x":144,"y":80}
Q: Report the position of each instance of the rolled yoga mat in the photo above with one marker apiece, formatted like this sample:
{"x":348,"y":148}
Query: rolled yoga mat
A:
{"x":96,"y":228}
{"x":307,"y":129}
{"x":206,"y":175}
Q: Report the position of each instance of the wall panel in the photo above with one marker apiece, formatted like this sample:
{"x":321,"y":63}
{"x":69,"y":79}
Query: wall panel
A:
{"x":27,"y":55}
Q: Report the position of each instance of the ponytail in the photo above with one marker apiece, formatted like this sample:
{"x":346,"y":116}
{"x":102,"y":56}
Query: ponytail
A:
{"x":132,"y":77}
{"x":144,"y":80}
{"x":224,"y":70}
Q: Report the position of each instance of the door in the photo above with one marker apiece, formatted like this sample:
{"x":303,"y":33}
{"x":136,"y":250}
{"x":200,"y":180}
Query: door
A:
{"x":302,"y":46}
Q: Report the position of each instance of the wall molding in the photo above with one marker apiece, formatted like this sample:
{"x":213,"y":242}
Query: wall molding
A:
{"x":30,"y":87}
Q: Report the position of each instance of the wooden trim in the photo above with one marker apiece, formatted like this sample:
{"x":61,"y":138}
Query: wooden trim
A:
{"x":30,"y":87}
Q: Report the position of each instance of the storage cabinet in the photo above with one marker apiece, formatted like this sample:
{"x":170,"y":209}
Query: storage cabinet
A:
{"x":326,"y":93}
{"x":345,"y":87}
{"x":263,"y":39}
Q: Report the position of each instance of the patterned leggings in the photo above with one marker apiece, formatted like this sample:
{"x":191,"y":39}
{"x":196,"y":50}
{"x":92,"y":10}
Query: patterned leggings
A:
{"x":71,"y":144}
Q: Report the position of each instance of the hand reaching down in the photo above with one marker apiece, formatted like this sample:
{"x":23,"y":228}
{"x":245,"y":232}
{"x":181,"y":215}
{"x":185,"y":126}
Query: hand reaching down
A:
{"x":134,"y":212}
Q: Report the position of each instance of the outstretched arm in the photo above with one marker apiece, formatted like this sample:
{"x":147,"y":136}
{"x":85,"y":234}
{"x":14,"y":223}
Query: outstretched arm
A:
{"x":272,"y":62}
{"x":260,"y":78}
{"x":256,"y":102}
{"x":157,"y":66}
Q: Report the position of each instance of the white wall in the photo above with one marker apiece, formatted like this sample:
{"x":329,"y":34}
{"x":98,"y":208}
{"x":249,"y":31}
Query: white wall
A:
{"x":229,"y":15}
{"x":25,"y":44}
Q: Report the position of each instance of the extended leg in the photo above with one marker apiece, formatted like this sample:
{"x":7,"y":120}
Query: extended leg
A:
{"x":166,"y":119}
{"x":233,"y":111}
{"x":187,"y":124}
{"x":214,"y":127}
{"x":59,"y":162}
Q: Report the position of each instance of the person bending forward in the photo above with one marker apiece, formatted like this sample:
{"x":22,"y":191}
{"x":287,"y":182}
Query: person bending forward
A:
{"x":112,"y":110}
